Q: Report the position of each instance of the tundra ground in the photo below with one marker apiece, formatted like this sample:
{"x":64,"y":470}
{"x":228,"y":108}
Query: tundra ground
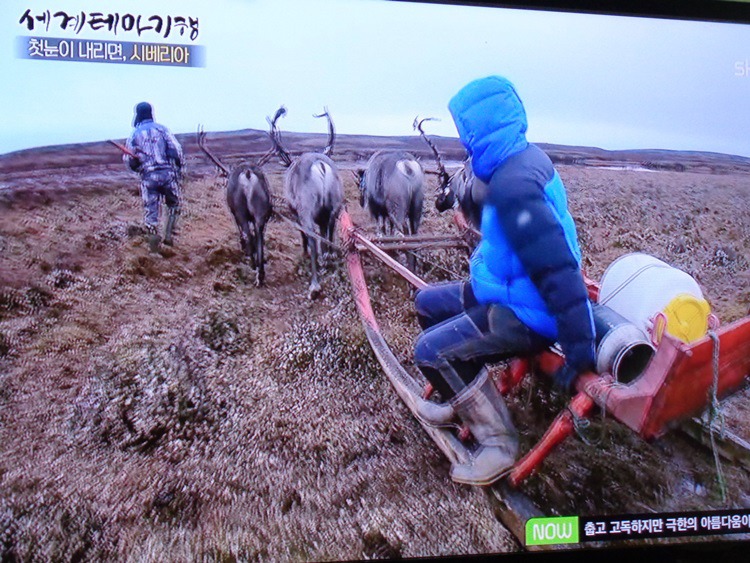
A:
{"x":162,"y":407}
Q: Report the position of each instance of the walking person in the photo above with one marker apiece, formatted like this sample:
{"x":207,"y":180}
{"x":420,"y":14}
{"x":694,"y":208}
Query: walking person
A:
{"x":158,"y":160}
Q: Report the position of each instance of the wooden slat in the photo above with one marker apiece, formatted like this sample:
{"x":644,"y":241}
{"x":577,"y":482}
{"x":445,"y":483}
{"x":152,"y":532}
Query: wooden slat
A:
{"x":408,"y":245}
{"x":416,"y":238}
{"x":729,"y":446}
{"x":405,"y":272}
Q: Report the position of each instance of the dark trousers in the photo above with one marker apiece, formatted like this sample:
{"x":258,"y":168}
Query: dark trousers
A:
{"x":461,"y":335}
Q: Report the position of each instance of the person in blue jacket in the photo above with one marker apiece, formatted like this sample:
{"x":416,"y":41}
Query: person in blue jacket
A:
{"x":525,"y":291}
{"x":158,"y":160}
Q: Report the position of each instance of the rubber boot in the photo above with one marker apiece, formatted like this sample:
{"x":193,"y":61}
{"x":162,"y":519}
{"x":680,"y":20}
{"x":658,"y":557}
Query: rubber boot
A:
{"x":168,"y":231}
{"x":435,"y":414}
{"x":153,"y":238}
{"x":481,"y":406}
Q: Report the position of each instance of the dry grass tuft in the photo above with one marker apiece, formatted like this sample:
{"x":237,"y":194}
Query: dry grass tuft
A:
{"x":145,"y":394}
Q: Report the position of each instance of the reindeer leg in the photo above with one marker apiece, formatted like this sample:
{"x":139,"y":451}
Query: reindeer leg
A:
{"x":330,"y":229}
{"x":411,"y":259}
{"x":260,"y":271}
{"x":243,"y":242}
{"x":243,"y":237}
{"x":323,"y":261}
{"x":244,"y":247}
{"x":314,"y":290}
{"x":381,"y":226}
{"x":250,"y":244}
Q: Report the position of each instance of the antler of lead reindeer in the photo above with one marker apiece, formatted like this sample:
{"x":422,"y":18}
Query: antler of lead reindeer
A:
{"x":444,"y":176}
{"x":276,"y":137}
{"x":328,"y":151}
{"x":202,"y":144}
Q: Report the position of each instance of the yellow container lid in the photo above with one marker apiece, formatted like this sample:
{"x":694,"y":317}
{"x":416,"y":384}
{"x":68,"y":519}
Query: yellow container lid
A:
{"x":687,"y":317}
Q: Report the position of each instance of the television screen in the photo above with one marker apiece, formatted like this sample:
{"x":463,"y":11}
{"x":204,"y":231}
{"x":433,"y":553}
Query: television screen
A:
{"x":215,"y":219}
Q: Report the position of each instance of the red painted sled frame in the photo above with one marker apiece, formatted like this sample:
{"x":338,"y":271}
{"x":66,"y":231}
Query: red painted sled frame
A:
{"x":676,"y":385}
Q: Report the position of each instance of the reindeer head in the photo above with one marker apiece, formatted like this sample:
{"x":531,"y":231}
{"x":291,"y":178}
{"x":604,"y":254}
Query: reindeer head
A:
{"x":359,"y":180}
{"x":445,"y":196}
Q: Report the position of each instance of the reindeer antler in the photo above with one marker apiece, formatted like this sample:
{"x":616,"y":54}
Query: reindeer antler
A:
{"x":276,"y":137}
{"x":328,"y":151}
{"x":202,"y":144}
{"x":444,"y":176}
{"x":266,"y":157}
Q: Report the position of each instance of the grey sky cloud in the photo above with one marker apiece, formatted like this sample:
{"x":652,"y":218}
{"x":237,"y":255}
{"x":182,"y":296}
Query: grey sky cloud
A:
{"x":608,"y":81}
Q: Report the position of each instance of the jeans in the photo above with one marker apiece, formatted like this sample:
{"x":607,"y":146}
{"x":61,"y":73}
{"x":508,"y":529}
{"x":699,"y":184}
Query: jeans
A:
{"x":461,"y":335}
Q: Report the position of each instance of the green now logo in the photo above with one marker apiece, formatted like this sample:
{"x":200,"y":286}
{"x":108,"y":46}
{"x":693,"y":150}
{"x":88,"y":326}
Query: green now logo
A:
{"x":546,"y":531}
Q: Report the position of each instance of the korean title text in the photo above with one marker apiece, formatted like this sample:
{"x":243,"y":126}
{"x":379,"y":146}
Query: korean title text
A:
{"x":87,"y":50}
{"x":697,"y":524}
{"x":112,"y":23}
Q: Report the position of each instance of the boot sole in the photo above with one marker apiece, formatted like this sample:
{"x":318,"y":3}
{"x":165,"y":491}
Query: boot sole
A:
{"x":437,"y":424}
{"x":505,"y":468}
{"x":487,"y":481}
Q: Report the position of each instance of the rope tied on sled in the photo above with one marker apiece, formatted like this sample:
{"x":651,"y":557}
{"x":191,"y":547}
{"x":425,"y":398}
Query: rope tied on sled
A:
{"x":582,"y":425}
{"x":715,"y":412}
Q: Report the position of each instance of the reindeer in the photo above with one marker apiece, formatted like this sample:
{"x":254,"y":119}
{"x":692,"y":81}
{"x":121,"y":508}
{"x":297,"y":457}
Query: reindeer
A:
{"x":461,"y":188}
{"x":314,"y":194}
{"x":391,"y":189}
{"x":249,"y":200}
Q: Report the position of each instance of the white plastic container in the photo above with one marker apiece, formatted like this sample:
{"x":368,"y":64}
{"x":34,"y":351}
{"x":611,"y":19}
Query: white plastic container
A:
{"x":639,"y":286}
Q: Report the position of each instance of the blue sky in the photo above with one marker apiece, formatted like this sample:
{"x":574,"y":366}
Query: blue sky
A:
{"x":608,"y":81}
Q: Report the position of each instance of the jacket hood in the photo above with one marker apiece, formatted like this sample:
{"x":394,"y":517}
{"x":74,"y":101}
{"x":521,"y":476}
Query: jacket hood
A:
{"x":143,"y":112}
{"x":491,"y":122}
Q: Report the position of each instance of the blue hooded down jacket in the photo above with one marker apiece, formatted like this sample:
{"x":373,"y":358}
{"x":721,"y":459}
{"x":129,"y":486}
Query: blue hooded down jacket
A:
{"x":529,"y":258}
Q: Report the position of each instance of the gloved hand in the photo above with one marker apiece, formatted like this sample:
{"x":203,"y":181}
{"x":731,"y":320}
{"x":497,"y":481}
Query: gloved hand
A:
{"x":579,"y":358}
{"x":564,"y":378}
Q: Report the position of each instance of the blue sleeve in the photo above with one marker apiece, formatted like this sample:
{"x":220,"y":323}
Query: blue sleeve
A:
{"x":536,"y":236}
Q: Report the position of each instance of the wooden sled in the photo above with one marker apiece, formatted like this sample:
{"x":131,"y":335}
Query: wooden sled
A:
{"x":679,"y":383}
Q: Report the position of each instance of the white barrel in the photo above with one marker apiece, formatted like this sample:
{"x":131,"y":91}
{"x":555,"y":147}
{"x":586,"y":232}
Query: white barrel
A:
{"x":622,"y":349}
{"x":639,"y":286}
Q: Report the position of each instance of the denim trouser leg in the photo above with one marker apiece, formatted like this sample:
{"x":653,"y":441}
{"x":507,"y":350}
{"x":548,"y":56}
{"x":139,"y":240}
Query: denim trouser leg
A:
{"x":439,"y":302}
{"x":452,"y":352}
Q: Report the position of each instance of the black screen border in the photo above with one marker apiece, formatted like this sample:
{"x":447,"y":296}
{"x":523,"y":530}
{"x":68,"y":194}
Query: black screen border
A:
{"x":728,"y":11}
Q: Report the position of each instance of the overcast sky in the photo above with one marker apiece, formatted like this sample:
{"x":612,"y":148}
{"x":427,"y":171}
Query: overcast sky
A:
{"x":607,"y":81}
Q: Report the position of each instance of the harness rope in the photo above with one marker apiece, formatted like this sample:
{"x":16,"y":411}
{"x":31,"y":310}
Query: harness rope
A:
{"x":715,"y":412}
{"x":434,"y":265}
{"x":279,"y":202}
{"x":580,"y":425}
{"x":306,"y":232}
